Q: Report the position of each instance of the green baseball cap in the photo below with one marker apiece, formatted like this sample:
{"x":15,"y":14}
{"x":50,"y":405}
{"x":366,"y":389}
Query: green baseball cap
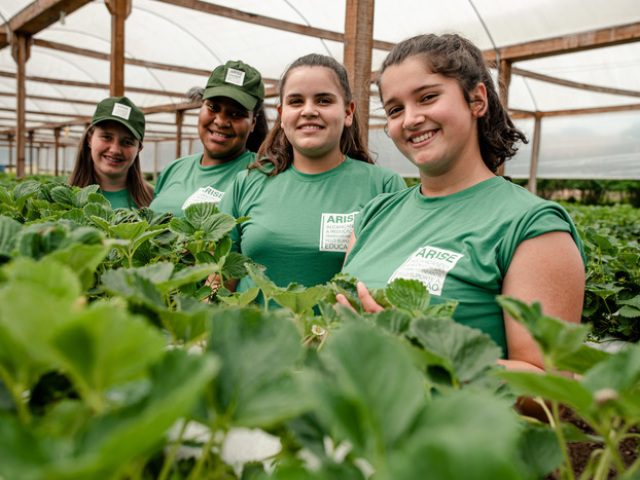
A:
{"x":121,"y":110}
{"x":238,"y":81}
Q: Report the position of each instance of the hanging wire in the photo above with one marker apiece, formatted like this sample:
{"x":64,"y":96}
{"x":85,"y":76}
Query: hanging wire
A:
{"x":486,"y":30}
{"x":308,"y":25}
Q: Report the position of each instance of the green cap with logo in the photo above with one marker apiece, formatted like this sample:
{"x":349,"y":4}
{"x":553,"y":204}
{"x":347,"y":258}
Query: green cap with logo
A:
{"x":121,"y":110}
{"x":237,"y":81}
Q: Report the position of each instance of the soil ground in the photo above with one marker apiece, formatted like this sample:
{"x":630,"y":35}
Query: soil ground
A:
{"x":581,"y":452}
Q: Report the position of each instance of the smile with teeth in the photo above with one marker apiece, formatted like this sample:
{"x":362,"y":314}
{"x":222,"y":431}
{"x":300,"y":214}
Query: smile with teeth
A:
{"x":220,"y":135}
{"x":310,"y":127}
{"x":422,"y":138}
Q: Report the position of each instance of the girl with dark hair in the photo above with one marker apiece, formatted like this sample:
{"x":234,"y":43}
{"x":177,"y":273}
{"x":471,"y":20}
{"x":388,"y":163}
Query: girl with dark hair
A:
{"x":231,"y":126}
{"x":108,"y":154}
{"x":467,"y":234}
{"x":311,"y":178}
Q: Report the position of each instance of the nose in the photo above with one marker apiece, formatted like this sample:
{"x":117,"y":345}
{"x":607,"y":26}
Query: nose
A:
{"x":115,"y":147}
{"x":222,"y":119}
{"x":413,"y":117}
{"x":309,"y":110}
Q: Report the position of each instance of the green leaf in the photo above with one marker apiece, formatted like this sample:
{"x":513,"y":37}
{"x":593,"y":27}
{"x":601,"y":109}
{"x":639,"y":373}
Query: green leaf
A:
{"x":104,"y":346}
{"x":467,"y":351}
{"x":223,"y":248}
{"x":129,"y":231}
{"x":6,"y":197}
{"x":408,"y":295}
{"x":217,"y":226}
{"x":82,"y":197}
{"x":539,"y":450}
{"x":464,"y":435}
{"x":235,"y":265}
{"x":257,"y":386}
{"x":197,"y":213}
{"x":367,"y":372}
{"x":28,"y":188}
{"x":181,"y":227}
{"x":64,"y":195}
{"x":242,"y":299}
{"x":300,"y":302}
{"x":549,"y":387}
{"x":187,"y":275}
{"x":267,"y":287}
{"x":619,"y":372}
{"x":9,"y":230}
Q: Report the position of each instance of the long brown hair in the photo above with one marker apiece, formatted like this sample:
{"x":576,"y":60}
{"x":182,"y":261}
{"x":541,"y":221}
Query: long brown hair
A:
{"x":456,"y":57}
{"x":84,"y":174}
{"x":276,"y":150}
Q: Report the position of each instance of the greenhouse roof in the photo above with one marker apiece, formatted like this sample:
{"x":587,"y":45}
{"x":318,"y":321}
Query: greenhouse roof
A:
{"x":566,"y":57}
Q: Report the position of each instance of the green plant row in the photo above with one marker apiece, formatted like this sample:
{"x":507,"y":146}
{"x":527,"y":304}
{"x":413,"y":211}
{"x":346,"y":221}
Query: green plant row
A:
{"x":119,"y":361}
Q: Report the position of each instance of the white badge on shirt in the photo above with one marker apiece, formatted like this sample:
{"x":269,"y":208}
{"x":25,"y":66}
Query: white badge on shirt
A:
{"x":430,"y":265}
{"x":204,"y":195}
{"x":335,"y":231}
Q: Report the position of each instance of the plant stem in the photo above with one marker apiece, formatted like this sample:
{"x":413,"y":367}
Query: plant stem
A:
{"x":206,"y":450}
{"x":168,"y":460}
{"x":561,"y":440}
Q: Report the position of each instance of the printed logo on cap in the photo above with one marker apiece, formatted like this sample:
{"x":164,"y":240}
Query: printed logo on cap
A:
{"x":235,"y":77}
{"x":122,"y":111}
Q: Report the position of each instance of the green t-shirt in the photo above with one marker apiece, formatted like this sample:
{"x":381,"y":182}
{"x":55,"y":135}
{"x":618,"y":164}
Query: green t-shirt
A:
{"x":459,"y":246}
{"x":186,"y":181}
{"x":120,"y":199}
{"x":300,"y":223}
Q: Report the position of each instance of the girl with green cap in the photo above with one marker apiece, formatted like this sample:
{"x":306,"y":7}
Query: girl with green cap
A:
{"x":109,"y":154}
{"x":231,"y":126}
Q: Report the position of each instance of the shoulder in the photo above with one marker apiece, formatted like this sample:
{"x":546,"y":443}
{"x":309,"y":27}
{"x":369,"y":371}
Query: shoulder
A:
{"x":386,"y":203}
{"x":181,"y":163}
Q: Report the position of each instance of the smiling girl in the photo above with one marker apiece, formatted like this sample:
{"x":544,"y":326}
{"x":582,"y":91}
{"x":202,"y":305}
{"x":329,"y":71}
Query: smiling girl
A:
{"x":467,"y":234}
{"x":312,"y":177}
{"x":231,"y":126}
{"x":108,"y":154}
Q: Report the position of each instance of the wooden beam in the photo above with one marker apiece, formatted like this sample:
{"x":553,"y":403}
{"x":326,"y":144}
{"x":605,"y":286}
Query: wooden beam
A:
{"x":503,"y":91}
{"x":270,"y":22}
{"x":589,"y":111}
{"x":40,"y":14}
{"x":532,"y":185}
{"x":357,"y":55}
{"x":578,"y":42}
{"x":4,"y":37}
{"x":101,"y":86}
{"x":572,"y":84}
{"x":179,"y":118}
{"x":120,"y":10}
{"x":20,"y":47}
{"x":56,"y":134}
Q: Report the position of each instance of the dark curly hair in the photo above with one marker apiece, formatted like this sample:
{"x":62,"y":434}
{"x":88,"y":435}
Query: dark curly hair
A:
{"x":456,"y":57}
{"x":276,"y":150}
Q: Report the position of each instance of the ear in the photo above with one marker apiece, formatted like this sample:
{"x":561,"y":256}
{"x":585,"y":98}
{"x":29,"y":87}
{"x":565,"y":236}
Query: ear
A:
{"x":479,"y":103}
{"x":141,"y":147}
{"x":279,"y":109}
{"x":253,"y":122}
{"x":349,"y":111}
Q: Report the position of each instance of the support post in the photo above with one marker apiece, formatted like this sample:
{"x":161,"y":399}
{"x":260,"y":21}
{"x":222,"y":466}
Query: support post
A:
{"x":31,"y":152}
{"x":532,"y":185}
{"x":155,"y":161}
{"x":358,"y":43}
{"x":505,"y":80}
{"x":120,"y":10}
{"x":179,"y":119}
{"x":20,"y":52}
{"x":10,"y":141}
{"x":56,"y":135}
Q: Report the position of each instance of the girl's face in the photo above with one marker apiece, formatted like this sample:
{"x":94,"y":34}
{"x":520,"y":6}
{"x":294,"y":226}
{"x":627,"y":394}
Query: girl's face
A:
{"x":113,"y":150}
{"x":313,"y":112}
{"x":429,"y":119}
{"x":224,"y":127}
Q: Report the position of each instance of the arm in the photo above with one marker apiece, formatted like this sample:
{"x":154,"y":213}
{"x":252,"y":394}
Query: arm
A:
{"x":548,"y":269}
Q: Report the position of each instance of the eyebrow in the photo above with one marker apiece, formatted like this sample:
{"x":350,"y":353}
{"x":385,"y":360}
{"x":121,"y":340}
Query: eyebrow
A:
{"x":415,"y":91}
{"x":327,"y":94}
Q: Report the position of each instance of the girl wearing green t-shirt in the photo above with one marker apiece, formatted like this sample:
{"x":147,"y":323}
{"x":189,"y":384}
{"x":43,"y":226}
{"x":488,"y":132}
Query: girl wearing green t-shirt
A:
{"x":109,"y":154}
{"x":312,"y":177}
{"x":465,"y":232}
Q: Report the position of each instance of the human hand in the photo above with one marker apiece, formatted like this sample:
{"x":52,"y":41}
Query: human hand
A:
{"x":368,"y":303}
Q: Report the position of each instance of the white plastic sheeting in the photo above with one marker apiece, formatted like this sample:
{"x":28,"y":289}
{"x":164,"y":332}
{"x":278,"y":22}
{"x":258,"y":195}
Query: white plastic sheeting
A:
{"x":593,"y":146}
